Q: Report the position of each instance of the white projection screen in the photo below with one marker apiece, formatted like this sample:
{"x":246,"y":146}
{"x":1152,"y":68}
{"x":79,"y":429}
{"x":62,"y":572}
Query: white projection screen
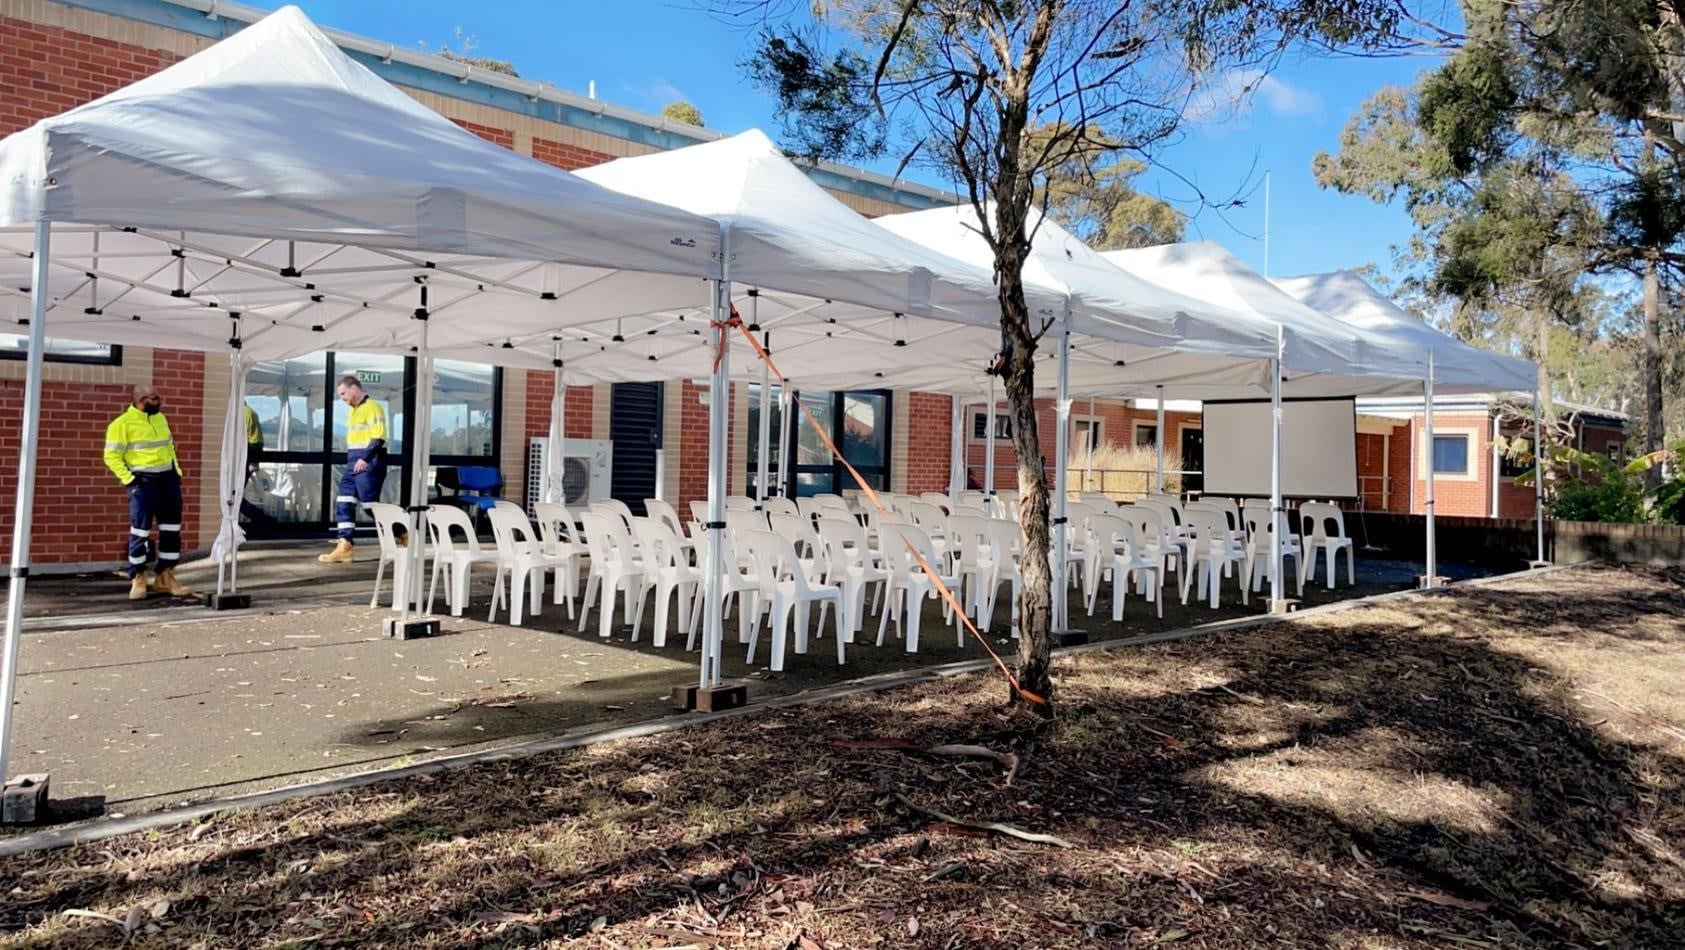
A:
{"x":1318,"y":448}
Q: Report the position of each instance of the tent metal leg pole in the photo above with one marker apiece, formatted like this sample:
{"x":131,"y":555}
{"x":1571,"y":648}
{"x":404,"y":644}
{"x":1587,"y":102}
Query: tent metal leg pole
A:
{"x":1158,"y":440}
{"x":1539,"y":478}
{"x":231,"y":482}
{"x":989,"y":446}
{"x":763,"y":455}
{"x":1088,"y":447}
{"x":556,"y":447}
{"x":22,"y":515}
{"x":956,"y":450}
{"x":1497,"y":461}
{"x":407,"y":596}
{"x":1278,"y":526}
{"x":1061,"y":479}
{"x":719,"y":415}
{"x":1431,"y":579}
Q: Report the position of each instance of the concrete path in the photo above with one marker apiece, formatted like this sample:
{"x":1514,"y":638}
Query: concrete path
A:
{"x":141,"y":708}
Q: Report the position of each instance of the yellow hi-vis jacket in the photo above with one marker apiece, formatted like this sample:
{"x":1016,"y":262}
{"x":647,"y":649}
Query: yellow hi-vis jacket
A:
{"x":136,"y":442}
{"x":366,"y":423}
{"x":254,"y":431}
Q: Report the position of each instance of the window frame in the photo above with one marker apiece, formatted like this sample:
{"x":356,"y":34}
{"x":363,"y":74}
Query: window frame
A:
{"x":1003,"y":427}
{"x":112,"y":358}
{"x":1471,"y":467}
{"x":1135,"y":428}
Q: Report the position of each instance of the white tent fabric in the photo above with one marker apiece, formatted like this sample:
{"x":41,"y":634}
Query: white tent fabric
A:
{"x":1190,"y":340}
{"x":273,"y":177}
{"x":1363,"y":363}
{"x":1458,"y":367}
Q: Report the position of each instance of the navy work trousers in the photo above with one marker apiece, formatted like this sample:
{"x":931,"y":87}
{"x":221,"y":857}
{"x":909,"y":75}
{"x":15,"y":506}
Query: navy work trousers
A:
{"x":356,"y":488}
{"x":154,"y":496}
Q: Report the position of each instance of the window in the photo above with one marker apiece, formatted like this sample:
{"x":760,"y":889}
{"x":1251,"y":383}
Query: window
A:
{"x":775,"y":439}
{"x":858,"y":423}
{"x":980,"y":426}
{"x":15,"y":346}
{"x":1146,"y":433}
{"x":1450,"y":455}
{"x":464,"y":409}
{"x":1085,"y":435}
{"x":1616,"y":451}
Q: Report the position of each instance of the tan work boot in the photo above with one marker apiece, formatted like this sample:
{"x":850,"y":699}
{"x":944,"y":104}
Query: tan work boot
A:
{"x":341,"y":553}
{"x":168,"y":584}
{"x":138,"y":586}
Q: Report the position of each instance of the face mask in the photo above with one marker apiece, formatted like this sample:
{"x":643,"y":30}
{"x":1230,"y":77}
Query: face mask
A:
{"x":151,"y":408}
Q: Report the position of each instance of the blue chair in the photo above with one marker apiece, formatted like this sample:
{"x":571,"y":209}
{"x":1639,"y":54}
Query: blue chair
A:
{"x":473,"y":488}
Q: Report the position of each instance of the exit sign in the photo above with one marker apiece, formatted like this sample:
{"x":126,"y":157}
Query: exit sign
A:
{"x":368,"y":376}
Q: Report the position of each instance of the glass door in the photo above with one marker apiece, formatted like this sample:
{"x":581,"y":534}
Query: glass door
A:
{"x":858,"y":423}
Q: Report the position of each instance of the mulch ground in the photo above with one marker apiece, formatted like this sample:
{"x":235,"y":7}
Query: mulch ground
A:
{"x":1493,"y":766}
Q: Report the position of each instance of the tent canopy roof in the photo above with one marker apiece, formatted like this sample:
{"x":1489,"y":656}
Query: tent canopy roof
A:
{"x":271,"y":175}
{"x":1457,"y":366}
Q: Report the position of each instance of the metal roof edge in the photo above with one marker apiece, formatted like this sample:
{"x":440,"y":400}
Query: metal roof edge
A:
{"x":217,"y":19}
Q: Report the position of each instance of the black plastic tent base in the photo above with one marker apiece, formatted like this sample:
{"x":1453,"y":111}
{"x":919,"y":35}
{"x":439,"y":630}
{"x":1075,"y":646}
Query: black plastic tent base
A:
{"x":1070,"y":638}
{"x":412,"y":629}
{"x":228,"y":601}
{"x":24,"y":800}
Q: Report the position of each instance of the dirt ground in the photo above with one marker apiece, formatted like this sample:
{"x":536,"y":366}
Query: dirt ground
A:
{"x":1492,"y":766}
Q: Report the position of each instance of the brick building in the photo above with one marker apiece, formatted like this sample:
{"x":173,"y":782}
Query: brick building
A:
{"x":56,"y":54}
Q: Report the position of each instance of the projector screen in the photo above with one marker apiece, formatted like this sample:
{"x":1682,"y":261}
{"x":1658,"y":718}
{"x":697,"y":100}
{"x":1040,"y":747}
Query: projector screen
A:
{"x":1318,"y":448}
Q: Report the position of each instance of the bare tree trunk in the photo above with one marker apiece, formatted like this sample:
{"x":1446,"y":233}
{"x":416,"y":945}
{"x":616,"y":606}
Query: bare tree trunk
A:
{"x":1035,"y":614}
{"x":1652,"y":371}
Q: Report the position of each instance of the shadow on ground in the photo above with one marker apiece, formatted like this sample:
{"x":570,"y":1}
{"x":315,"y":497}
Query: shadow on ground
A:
{"x":1398,"y":773}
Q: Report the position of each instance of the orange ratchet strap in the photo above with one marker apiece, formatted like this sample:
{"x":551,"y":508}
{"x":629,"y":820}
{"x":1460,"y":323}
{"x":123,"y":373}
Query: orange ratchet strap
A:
{"x":825,"y":437}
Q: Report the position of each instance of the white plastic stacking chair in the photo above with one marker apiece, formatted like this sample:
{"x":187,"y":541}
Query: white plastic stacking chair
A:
{"x":798,"y":530}
{"x":1104,"y":539}
{"x":521,"y":561}
{"x":386,"y":518}
{"x":781,"y":506}
{"x":909,"y":579}
{"x":667,"y":567}
{"x":973,"y":498}
{"x":664,"y":513}
{"x":851,"y":564}
{"x":833,"y":506}
{"x":971,"y":559}
{"x":1213,"y":548}
{"x":739,"y":503}
{"x":933,"y":521}
{"x":939,"y":499}
{"x":1259,"y":536}
{"x":1006,"y":505}
{"x":556,"y":529}
{"x":1132,"y":560}
{"x":740,"y":582}
{"x":615,"y":569}
{"x":1005,"y":538}
{"x":1152,"y":532}
{"x":1324,"y":531}
{"x":782,"y":572}
{"x":453,"y":557}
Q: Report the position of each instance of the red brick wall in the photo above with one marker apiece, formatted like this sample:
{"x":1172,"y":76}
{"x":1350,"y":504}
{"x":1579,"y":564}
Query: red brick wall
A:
{"x":567,"y":157}
{"x":81,"y":514}
{"x":496,"y":136}
{"x":45,"y":70}
{"x":929,"y":438}
{"x":1117,"y":427}
{"x":693,"y":443}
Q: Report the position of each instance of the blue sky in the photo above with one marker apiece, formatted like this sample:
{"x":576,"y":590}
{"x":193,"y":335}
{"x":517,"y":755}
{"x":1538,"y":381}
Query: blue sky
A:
{"x":645,"y":53}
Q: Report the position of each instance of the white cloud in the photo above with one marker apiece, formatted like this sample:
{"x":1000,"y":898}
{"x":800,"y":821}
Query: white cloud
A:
{"x":1238,"y":91}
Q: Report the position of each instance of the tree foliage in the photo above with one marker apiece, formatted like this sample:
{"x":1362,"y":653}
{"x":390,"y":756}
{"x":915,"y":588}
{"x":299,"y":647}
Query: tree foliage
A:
{"x":1000,"y":96}
{"x":682,"y":111}
{"x":1544,"y":165}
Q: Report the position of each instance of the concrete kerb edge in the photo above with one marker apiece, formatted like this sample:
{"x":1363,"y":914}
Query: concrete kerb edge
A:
{"x":100,"y":829}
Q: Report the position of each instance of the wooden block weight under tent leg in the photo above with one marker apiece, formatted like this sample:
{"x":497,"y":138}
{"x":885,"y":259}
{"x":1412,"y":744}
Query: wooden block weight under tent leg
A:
{"x":711,"y":698}
{"x":1070,"y":638}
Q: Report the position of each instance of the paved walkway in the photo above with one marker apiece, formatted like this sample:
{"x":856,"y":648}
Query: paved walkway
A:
{"x":132,"y":708}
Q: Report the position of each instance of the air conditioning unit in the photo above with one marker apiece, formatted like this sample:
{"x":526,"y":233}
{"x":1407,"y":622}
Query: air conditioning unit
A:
{"x":587,"y":470}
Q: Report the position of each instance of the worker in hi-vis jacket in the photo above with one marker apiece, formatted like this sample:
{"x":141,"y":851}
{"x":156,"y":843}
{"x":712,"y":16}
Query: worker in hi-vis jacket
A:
{"x":140,"y":451}
{"x":365,"y":466}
